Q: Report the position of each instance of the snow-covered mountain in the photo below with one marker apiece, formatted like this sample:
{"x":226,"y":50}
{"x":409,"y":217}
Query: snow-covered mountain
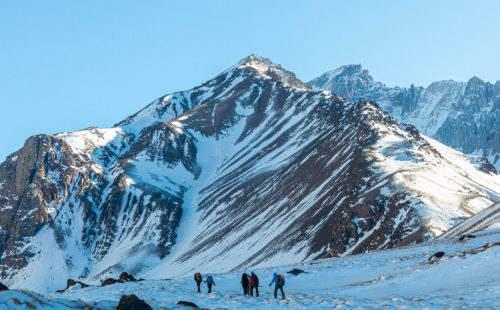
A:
{"x":253,"y":168}
{"x":462,"y":115}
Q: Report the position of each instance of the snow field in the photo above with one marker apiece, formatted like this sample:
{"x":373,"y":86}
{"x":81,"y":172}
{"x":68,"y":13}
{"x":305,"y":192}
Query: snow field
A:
{"x":397,"y":278}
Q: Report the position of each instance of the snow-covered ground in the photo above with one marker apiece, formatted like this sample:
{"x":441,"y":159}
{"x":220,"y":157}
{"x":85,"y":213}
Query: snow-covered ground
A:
{"x":466,"y":277}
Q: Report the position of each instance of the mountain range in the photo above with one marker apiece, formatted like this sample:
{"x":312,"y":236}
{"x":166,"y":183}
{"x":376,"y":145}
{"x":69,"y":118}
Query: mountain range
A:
{"x":253,"y":168}
{"x":462,"y":115}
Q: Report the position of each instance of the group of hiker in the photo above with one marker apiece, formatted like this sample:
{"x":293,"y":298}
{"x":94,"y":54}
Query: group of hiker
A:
{"x":249,"y":283}
{"x":210,"y":281}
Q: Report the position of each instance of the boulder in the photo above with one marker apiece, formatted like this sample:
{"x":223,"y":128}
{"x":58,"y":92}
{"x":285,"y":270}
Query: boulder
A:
{"x":463,"y":237}
{"x":296,"y":271}
{"x":126,"y":277}
{"x":436,"y":256}
{"x":70,"y":283}
{"x":132,"y":302}
{"x":187,"y":304}
{"x":110,"y":281}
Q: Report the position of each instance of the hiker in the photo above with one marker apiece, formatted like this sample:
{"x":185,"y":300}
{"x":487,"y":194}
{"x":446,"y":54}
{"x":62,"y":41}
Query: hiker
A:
{"x":198,"y":278}
{"x":250,"y":283}
{"x":244,"y":283}
{"x":210,"y":281}
{"x":254,"y":284}
{"x":279,"y":281}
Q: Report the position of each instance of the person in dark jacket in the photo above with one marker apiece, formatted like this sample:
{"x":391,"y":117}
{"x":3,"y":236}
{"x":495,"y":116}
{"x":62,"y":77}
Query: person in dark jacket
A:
{"x":278,"y":281}
{"x":254,"y":285}
{"x":244,"y":283}
{"x":210,"y":281}
{"x":198,"y":278}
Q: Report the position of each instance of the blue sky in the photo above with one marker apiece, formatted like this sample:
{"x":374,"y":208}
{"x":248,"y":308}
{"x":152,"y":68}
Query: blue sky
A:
{"x":68,"y":65}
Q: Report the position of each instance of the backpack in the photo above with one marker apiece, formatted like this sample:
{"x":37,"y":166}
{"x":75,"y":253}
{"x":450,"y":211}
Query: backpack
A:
{"x":281,"y":280}
{"x":197,"y":277}
{"x":210,"y":280}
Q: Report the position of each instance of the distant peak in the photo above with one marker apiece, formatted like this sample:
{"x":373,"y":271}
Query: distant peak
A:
{"x":352,"y":71}
{"x":349,"y":81}
{"x":476,"y":81}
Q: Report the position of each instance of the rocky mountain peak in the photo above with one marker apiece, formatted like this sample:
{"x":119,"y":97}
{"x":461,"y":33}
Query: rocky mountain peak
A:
{"x":353,"y":72}
{"x":349,"y":81}
{"x":265,"y":68}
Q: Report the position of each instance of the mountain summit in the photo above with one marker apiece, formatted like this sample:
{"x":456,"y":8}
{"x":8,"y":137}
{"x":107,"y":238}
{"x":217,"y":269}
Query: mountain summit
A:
{"x":251,"y":168}
{"x":349,"y":81}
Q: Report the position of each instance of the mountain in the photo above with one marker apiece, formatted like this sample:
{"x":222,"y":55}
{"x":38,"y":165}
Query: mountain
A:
{"x":464,"y":116}
{"x":253,"y":168}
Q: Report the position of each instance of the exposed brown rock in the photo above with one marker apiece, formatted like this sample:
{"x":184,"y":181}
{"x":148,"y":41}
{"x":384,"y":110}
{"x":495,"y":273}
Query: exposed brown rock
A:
{"x":132,"y":302}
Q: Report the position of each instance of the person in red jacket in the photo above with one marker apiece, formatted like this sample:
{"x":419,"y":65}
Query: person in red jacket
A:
{"x":250,"y":280}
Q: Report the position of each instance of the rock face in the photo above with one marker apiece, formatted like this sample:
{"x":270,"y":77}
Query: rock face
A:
{"x":3,"y":287}
{"x":251,"y":168}
{"x":464,"y":116}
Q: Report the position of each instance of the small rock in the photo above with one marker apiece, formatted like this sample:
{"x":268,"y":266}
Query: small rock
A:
{"x":3,"y":287}
{"x":187,"y":304}
{"x":126,"y":277}
{"x":132,"y":302}
{"x":296,"y":271}
{"x":439,"y":254}
{"x":436,"y":256}
{"x":70,"y":283}
{"x":463,"y":237}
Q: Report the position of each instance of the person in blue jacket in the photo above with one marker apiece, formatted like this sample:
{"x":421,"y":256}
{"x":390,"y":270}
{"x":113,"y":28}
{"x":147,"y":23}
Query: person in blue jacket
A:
{"x":210,"y":281}
{"x":278,"y":281}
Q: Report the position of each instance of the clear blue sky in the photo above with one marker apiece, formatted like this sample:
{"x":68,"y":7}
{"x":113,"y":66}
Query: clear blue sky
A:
{"x":68,"y":65}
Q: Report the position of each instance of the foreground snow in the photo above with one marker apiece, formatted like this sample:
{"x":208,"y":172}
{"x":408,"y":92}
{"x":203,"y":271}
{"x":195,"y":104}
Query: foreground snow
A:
{"x":467,"y":276}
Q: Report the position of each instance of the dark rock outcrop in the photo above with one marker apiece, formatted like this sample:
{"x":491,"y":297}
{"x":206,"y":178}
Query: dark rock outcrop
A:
{"x":132,"y":302}
{"x":124,"y":276}
{"x":110,"y":281}
{"x":463,"y":237}
{"x":436,"y":256}
{"x":3,"y":287}
{"x":70,"y":283}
